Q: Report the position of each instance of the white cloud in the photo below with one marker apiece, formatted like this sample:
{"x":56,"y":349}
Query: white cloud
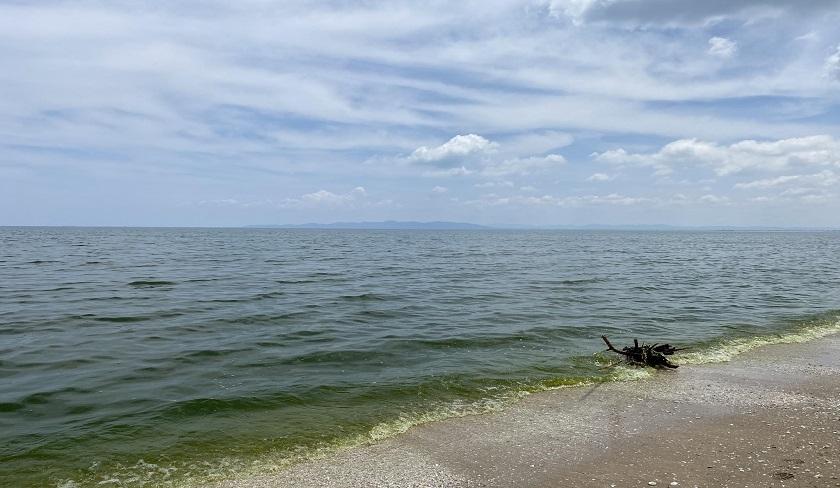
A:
{"x":722,"y":47}
{"x":808,"y":36}
{"x":574,"y":9}
{"x":779,"y":155}
{"x":457,"y":148}
{"x":600,"y":177}
{"x":440,"y":189}
{"x":808,"y":188}
{"x":221,"y":202}
{"x":523,"y":166}
{"x":714,"y":199}
{"x":448,"y":172}
{"x":494,"y":184}
{"x":767,"y":183}
{"x":473,"y":154}
{"x":816,"y":198}
{"x":301,"y":93}
{"x":326,"y":198}
{"x":562,"y":201}
{"x":611,"y":199}
{"x":797,"y":191}
{"x":832,"y":65}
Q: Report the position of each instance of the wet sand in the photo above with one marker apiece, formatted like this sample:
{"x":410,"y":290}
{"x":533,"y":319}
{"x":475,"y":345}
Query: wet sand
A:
{"x":769,"y":418}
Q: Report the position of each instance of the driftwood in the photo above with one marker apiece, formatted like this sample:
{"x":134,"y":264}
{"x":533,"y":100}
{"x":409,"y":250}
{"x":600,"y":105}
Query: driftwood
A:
{"x":653,"y":355}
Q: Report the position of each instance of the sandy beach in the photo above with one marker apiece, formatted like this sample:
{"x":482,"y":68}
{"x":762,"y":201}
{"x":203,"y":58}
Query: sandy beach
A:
{"x":769,"y":418}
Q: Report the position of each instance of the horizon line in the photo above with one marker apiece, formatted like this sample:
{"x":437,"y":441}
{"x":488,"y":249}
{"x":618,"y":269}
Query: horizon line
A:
{"x":474,"y":226}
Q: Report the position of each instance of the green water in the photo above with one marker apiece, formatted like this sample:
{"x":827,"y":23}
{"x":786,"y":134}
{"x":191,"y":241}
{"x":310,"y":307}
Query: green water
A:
{"x":166,"y":357}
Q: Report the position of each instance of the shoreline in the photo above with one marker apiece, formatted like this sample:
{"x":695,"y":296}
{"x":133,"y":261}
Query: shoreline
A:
{"x":769,"y":417}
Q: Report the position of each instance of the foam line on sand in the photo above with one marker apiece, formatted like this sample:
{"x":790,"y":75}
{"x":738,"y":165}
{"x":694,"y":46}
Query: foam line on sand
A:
{"x":770,"y":417}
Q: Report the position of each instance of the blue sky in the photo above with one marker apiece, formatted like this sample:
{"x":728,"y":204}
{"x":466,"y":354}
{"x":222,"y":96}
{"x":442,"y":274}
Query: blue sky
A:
{"x":520,"y":112}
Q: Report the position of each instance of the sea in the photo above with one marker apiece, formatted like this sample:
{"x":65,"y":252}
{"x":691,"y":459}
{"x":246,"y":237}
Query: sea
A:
{"x":155,"y":357}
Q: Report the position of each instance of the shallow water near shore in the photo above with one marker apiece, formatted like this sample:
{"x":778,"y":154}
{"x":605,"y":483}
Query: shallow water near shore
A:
{"x":155,"y":357}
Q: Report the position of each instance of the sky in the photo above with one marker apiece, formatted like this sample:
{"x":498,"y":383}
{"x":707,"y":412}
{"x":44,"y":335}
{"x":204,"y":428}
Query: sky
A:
{"x":211,"y":113}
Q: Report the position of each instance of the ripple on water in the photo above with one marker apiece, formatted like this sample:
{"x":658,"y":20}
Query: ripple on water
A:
{"x":231,"y":344}
{"x":151,"y":283}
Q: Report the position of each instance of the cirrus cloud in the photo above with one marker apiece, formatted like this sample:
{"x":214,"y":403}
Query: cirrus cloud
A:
{"x":144,"y":98}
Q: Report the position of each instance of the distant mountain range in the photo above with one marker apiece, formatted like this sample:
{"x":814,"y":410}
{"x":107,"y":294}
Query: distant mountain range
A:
{"x":444,"y":225}
{"x":388,"y":224}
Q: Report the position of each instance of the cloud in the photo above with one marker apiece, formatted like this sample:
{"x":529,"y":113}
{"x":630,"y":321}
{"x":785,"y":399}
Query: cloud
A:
{"x":221,"y":202}
{"x":576,"y":10}
{"x":449,"y":172}
{"x":722,"y":47}
{"x":523,"y":166}
{"x":323,"y":196}
{"x":494,"y":184}
{"x":440,"y":189}
{"x":779,"y":155}
{"x":473,"y":154}
{"x":826,"y":178}
{"x":456,"y":149}
{"x":326,"y":198}
{"x":304,"y":94}
{"x":573,"y":201}
{"x":714,"y":199}
{"x":832,"y":65}
{"x":600,"y":177}
{"x":767,"y":183}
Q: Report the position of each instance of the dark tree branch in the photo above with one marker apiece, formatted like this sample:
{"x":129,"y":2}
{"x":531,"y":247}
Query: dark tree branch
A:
{"x":652,"y":355}
{"x":610,"y":346}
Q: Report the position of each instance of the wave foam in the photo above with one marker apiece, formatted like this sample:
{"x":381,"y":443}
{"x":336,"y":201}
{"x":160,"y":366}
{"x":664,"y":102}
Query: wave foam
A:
{"x":729,"y":349}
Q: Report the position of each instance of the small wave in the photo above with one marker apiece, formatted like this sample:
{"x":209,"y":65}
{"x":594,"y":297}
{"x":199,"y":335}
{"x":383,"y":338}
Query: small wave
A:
{"x":266,"y":318}
{"x":203,"y":354}
{"x":44,"y":397}
{"x":8,"y":407}
{"x":198,"y":407}
{"x":122,"y":319}
{"x":269,"y":294}
{"x":470,"y":342}
{"x":317,"y":277}
{"x":365,"y":315}
{"x":494,"y":398}
{"x":364,"y":297}
{"x":339,"y":357}
{"x":206,"y":406}
{"x":252,"y":298}
{"x":581,"y":281}
{"x":509,"y":395}
{"x":729,"y":349}
{"x":535,"y":335}
{"x":150,"y":283}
